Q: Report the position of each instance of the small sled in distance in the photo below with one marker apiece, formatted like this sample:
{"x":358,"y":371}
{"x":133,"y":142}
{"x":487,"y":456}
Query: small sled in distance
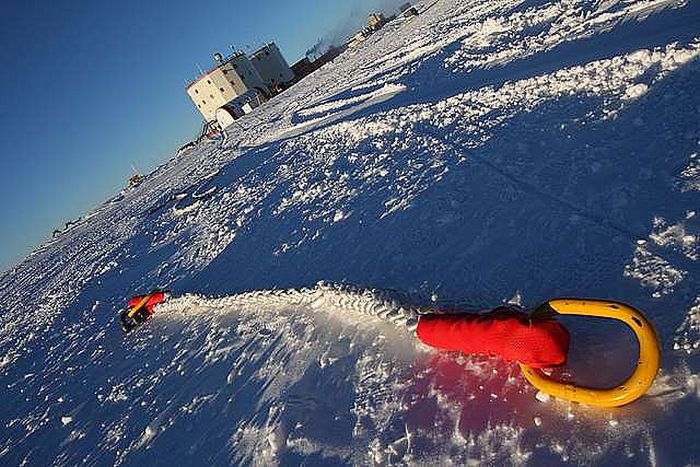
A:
{"x":142,"y":307}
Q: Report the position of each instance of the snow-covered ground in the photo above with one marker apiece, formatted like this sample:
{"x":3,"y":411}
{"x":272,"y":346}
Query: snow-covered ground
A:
{"x":482,"y":152}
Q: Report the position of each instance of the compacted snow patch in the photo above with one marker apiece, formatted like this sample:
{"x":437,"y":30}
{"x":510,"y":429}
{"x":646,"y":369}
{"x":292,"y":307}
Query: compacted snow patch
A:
{"x":688,"y":334}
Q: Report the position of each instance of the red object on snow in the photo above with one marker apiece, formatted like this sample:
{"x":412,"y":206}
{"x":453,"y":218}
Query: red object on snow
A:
{"x":507,"y":333}
{"x":155,"y":299}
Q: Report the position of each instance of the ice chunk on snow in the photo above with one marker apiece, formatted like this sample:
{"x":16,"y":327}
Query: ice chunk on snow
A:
{"x":687,"y":336}
{"x":339,"y":216}
{"x":635,"y":91}
{"x":653,"y":272}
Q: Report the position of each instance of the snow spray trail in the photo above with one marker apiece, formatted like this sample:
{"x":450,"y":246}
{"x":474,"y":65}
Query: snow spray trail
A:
{"x":337,"y":299}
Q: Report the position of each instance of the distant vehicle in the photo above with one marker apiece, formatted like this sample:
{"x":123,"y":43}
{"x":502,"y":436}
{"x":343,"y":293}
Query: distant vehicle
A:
{"x":66,"y":227}
{"x":241,"y":105}
{"x":135,"y":180}
{"x":410,"y":12}
{"x":185,"y":147}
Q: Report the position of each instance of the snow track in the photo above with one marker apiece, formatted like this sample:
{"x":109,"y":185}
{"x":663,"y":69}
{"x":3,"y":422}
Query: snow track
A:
{"x":344,"y":302}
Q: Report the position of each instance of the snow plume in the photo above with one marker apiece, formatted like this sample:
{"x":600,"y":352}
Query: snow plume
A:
{"x":352,"y":23}
{"x":321,"y":46}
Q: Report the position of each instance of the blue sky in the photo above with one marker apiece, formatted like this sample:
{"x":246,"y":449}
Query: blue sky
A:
{"x":90,"y":88}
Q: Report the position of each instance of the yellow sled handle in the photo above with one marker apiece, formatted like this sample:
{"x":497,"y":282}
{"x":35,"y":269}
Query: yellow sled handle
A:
{"x":630,"y":390}
{"x":140,"y":304}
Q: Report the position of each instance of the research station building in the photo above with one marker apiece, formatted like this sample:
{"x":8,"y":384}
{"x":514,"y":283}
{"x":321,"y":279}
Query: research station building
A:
{"x":272,"y":67}
{"x":232,"y":77}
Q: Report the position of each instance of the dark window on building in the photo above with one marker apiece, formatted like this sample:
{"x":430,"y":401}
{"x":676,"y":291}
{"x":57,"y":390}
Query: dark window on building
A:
{"x":209,"y":81}
{"x":235,"y":66}
{"x":196,"y":91}
{"x":204,"y":102}
{"x":199,"y":106}
{"x":221,"y":89}
{"x":267,"y":52}
{"x":211,"y":96}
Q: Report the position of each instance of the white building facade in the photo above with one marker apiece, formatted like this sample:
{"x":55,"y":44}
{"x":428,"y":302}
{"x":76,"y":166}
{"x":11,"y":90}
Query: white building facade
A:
{"x":272,"y":67}
{"x":232,"y":77}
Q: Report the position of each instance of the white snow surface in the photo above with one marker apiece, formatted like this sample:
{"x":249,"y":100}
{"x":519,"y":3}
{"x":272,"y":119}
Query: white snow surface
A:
{"x":482,"y":152}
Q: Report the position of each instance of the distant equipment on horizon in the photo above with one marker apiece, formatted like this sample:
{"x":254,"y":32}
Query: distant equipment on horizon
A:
{"x":135,"y":180}
{"x":218,"y":57}
{"x":375,"y":22}
{"x":306,"y":66}
{"x":409,"y":12}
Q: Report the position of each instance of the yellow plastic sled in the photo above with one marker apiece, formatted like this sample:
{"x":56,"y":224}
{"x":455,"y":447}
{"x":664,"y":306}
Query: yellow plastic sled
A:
{"x":628,"y":391}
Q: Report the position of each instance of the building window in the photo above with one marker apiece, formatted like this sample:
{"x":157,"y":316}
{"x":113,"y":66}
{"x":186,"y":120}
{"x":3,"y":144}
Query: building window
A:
{"x":221,"y":89}
{"x":196,"y":91}
{"x":224,"y":71}
{"x":209,"y":81}
{"x":235,"y":66}
{"x":267,"y":52}
{"x":204,"y":102}
{"x":199,"y":106}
